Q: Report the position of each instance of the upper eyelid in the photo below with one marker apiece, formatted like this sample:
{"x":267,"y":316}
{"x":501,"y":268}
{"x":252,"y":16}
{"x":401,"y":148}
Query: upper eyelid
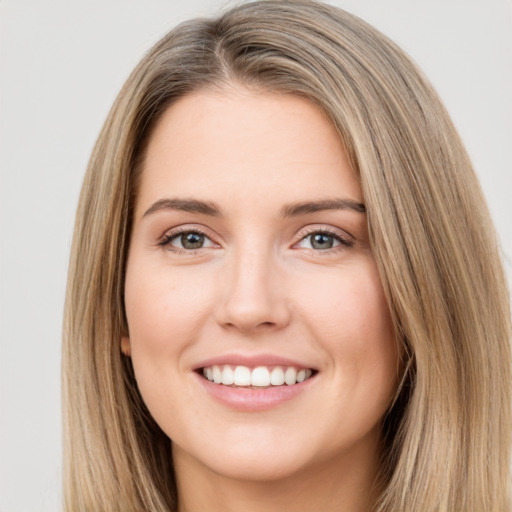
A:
{"x":188,"y":228}
{"x":331,"y":230}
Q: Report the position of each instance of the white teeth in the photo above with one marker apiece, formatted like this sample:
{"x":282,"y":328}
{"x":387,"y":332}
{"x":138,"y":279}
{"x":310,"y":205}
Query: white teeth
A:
{"x":227,"y":375}
{"x":290,"y":376}
{"x":261,"y":376}
{"x":277,"y":376}
{"x":242,"y":376}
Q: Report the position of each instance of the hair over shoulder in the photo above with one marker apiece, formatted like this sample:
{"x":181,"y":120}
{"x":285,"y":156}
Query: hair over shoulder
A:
{"x":448,"y":432}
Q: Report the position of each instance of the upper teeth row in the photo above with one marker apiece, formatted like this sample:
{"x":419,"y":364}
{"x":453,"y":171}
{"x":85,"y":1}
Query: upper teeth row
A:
{"x":261,"y":376}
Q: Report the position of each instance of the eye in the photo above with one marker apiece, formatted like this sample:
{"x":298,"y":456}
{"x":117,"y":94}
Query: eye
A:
{"x":323,"y":241}
{"x":186,"y":240}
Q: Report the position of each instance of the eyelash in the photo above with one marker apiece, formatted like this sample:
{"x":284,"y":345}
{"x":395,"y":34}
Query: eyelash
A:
{"x":344,"y":242}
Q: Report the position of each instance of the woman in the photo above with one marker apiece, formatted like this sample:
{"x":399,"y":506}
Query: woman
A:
{"x":285,"y":289}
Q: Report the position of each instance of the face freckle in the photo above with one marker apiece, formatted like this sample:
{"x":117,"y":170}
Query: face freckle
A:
{"x":250,"y":249}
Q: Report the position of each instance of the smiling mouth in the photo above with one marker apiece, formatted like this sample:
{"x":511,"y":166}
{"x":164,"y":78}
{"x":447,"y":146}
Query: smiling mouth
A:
{"x":256,"y":378}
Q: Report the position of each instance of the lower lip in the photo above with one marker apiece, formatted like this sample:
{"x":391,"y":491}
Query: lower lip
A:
{"x":245,"y":399}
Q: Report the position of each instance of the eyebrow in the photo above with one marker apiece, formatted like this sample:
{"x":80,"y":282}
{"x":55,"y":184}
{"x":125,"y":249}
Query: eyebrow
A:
{"x":185,"y":205}
{"x":291,"y":210}
{"x":303,"y":208}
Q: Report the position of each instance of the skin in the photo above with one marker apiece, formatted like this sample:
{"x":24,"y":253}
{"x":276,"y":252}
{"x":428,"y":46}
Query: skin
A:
{"x":259,"y":286}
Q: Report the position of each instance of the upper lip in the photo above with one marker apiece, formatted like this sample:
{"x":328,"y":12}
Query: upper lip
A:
{"x":252,"y":361}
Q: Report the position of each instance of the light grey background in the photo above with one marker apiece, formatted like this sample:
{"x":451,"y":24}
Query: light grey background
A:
{"x":62,"y":63}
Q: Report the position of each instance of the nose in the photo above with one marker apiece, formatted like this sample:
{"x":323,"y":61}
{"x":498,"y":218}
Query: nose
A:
{"x":253,"y":297}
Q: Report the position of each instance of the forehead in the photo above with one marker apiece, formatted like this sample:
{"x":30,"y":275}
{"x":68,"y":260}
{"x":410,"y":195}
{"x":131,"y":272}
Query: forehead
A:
{"x":248,"y":143}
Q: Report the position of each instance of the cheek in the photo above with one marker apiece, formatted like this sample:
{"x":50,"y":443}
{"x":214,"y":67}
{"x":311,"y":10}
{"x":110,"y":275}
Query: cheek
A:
{"x":165,"y":308}
{"x":349,"y":317}
{"x":166,"y":311}
{"x":348,"y":303}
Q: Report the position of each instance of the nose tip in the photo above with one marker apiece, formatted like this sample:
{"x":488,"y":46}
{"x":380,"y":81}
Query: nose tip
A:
{"x":253,"y":302}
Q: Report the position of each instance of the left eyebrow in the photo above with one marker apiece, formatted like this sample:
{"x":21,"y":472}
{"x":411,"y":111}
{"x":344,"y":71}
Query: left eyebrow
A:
{"x":303,"y":208}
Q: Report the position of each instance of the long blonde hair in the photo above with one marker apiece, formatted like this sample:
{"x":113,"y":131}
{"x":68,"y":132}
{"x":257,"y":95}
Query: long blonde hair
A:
{"x":448,"y":433}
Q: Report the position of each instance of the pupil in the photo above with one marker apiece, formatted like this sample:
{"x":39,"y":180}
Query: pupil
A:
{"x":192,"y":240}
{"x":321,"y":241}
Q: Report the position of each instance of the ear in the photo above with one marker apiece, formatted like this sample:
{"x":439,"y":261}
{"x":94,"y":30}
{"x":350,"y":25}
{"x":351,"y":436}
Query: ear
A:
{"x":126,"y":348}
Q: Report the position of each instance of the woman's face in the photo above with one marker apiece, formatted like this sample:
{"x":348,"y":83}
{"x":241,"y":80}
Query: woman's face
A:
{"x":250,"y":264}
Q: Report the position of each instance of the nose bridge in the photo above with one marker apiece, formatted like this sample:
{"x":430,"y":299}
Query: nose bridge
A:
{"x":252,"y":295}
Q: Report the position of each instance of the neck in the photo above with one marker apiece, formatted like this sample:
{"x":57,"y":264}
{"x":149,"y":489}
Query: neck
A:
{"x":334,"y":487}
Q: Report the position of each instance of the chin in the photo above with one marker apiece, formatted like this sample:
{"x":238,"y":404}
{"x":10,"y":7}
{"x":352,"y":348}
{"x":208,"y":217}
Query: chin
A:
{"x":262,"y":468}
{"x":252,"y":457}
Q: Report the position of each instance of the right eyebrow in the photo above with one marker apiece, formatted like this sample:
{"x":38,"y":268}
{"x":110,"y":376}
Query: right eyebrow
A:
{"x":185,"y":205}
